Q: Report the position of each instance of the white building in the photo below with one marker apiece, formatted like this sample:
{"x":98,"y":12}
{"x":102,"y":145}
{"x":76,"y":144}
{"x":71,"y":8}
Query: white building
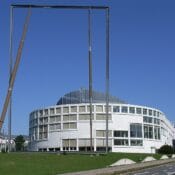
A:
{"x":65,"y":126}
{"x":3,"y":143}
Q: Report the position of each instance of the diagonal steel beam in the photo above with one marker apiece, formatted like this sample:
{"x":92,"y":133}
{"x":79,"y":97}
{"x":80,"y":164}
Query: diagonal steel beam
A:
{"x":14,"y":71}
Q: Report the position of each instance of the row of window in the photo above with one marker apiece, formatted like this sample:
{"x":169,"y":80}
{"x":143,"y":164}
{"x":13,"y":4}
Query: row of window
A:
{"x":98,"y":108}
{"x":125,"y":142}
{"x":70,"y":117}
{"x":136,"y":110}
{"x":71,"y":125}
{"x":150,"y":120}
{"x":73,"y":117}
{"x":135,"y":132}
{"x":65,"y":110}
{"x":53,"y":127}
{"x":84,"y":144}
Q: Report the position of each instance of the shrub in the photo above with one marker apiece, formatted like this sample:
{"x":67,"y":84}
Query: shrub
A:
{"x":166,"y":149}
{"x":19,"y":143}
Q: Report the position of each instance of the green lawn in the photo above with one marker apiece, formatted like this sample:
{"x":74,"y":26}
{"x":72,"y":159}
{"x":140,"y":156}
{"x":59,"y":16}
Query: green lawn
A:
{"x":52,"y":164}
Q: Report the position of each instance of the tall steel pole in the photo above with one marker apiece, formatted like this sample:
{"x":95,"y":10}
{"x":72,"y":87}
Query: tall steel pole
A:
{"x":107,"y":76}
{"x":90,"y":73}
{"x":10,"y":73}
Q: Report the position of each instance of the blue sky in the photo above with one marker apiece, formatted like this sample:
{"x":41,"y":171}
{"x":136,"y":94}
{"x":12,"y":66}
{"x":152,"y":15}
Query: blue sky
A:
{"x":54,"y":59}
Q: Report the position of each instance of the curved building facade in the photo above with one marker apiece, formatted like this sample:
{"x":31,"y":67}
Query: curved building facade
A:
{"x":65,"y":126}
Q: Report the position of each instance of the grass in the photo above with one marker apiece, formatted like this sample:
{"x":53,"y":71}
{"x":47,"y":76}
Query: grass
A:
{"x":52,"y":164}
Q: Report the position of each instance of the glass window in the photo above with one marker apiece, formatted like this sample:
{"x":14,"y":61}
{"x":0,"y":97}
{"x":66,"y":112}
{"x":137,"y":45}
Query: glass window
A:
{"x":102,"y":133}
{"x":109,"y":108}
{"x":144,"y":111}
{"x":45,"y":119}
{"x":158,"y":113}
{"x":65,"y":125}
{"x":73,"y":109}
{"x":40,"y":135}
{"x":84,"y":142}
{"x":73,"y":125}
{"x":156,"y":121}
{"x":102,"y":117}
{"x":72,"y":142}
{"x":41,"y":112}
{"x":41,"y":128}
{"x":58,"y":126}
{"x":120,"y":133}
{"x":82,"y":109}
{"x":100,"y":142}
{"x":88,"y":108}
{"x":58,"y":110}
{"x":154,"y":113}
{"x":136,"y":130}
{"x":45,"y":135}
{"x":84,"y":117}
{"x":109,"y":133}
{"x":138,"y":110}
{"x":147,"y":119}
{"x":116,"y":108}
{"x":132,"y":110}
{"x":99,"y":108}
{"x":65,"y":142}
{"x":73,"y":117}
{"x":54,"y":127}
{"x":66,"y":110}
{"x":46,"y":111}
{"x":57,"y":118}
{"x":65,"y":117}
{"x":121,"y":142}
{"x":148,"y":131}
{"x":136,"y":142}
{"x":41,"y":120}
{"x":124,"y":109}
{"x":150,"y":112}
{"x":157,"y":133}
{"x":52,"y":111}
{"x":45,"y":128}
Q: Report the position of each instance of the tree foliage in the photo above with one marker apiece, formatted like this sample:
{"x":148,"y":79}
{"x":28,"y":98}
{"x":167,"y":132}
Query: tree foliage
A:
{"x":166,"y":149}
{"x":19,"y":143}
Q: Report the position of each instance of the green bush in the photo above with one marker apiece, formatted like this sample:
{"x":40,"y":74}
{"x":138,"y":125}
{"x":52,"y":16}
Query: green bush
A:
{"x":166,"y":149}
{"x":19,"y":143}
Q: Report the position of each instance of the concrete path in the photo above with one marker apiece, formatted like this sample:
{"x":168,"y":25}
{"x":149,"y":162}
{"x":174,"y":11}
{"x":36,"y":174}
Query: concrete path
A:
{"x":166,"y":169}
{"x":123,"y":168}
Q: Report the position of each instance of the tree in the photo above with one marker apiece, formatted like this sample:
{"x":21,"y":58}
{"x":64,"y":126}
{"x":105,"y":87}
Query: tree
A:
{"x":19,"y":143}
{"x":166,"y":149}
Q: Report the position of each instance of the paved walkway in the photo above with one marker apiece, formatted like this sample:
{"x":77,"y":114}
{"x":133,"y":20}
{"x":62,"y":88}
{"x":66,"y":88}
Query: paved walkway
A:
{"x":123,"y":168}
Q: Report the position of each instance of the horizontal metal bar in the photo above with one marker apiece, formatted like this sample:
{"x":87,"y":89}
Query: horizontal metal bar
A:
{"x":58,"y":6}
